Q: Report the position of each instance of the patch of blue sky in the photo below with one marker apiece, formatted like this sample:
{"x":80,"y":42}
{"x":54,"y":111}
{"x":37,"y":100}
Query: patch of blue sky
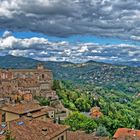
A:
{"x":74,"y":39}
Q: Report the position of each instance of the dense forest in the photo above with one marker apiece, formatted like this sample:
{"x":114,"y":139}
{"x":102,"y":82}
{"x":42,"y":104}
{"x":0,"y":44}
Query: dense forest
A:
{"x":118,"y":108}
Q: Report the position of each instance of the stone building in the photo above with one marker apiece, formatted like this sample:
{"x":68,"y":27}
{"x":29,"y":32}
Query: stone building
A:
{"x":38,"y":81}
{"x":33,"y":121}
{"x":27,"y":129}
{"x":32,"y":110}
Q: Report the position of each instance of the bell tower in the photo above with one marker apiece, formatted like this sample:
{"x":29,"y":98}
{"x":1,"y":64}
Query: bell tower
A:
{"x":40,"y":66}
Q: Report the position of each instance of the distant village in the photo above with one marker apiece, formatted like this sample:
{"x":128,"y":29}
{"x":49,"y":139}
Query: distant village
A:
{"x":23,"y":118}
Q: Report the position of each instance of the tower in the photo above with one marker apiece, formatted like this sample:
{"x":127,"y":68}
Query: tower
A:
{"x":40,"y":66}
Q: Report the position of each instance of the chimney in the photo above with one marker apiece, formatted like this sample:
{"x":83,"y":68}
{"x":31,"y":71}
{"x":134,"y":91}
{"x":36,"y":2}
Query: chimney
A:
{"x":44,"y":131}
{"x":29,"y":115}
{"x":40,"y":66}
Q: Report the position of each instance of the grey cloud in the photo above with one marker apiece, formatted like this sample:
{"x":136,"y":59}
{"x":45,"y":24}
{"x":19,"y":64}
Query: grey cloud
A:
{"x":119,"y":18}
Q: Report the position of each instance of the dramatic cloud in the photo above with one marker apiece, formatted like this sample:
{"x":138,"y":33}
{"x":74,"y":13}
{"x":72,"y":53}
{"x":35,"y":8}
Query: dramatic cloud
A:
{"x":117,"y":18}
{"x":45,"y":50}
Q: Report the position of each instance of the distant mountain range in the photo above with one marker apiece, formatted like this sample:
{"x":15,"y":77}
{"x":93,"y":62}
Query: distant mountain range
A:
{"x":122,"y":78}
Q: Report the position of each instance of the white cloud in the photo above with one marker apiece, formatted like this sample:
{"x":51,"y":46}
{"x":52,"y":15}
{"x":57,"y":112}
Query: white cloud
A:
{"x":7,"y":42}
{"x":18,"y":52}
{"x":6,"y":34}
{"x":84,"y":48}
{"x":43,"y":49}
{"x":96,"y":51}
{"x":137,"y":38}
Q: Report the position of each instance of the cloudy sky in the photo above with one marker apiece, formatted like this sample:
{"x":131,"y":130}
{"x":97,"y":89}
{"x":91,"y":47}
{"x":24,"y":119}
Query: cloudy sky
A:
{"x":71,"y":30}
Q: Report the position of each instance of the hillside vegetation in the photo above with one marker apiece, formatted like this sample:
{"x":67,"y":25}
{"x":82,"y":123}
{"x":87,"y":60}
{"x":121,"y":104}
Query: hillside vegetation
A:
{"x":80,"y":87}
{"x":122,"y":78}
{"x":118,"y":109}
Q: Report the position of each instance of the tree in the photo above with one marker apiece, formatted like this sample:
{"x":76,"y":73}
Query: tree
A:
{"x":101,"y":131}
{"x":82,"y":104}
{"x":43,"y":101}
{"x":79,"y":121}
{"x":56,"y":85}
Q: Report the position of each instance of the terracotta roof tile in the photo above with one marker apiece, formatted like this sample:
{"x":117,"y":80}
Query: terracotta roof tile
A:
{"x":122,"y":133}
{"x":39,"y":113}
{"x":26,"y":129}
{"x":2,"y":137}
{"x":95,"y":112}
{"x":22,"y":108}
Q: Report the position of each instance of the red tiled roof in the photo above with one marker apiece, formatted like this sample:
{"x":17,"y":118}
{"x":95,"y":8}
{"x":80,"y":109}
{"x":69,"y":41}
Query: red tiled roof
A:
{"x":22,"y":108}
{"x":95,"y":112}
{"x":39,"y":113}
{"x":2,"y":137}
{"x":32,"y":129}
{"x":122,"y":133}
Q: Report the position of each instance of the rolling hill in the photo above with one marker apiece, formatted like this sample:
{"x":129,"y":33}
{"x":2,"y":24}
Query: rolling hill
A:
{"x":122,"y":78}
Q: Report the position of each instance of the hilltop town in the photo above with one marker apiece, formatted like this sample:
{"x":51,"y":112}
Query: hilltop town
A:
{"x":18,"y":89}
{"x":38,"y":81}
{"x":69,"y":69}
{"x":22,"y":110}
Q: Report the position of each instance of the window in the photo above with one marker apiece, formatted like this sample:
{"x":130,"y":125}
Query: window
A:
{"x":43,"y":76}
{"x":62,"y":137}
{"x":3,"y":117}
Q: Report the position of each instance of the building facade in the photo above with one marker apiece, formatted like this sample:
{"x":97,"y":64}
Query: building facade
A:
{"x":38,"y":81}
{"x":32,"y":110}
